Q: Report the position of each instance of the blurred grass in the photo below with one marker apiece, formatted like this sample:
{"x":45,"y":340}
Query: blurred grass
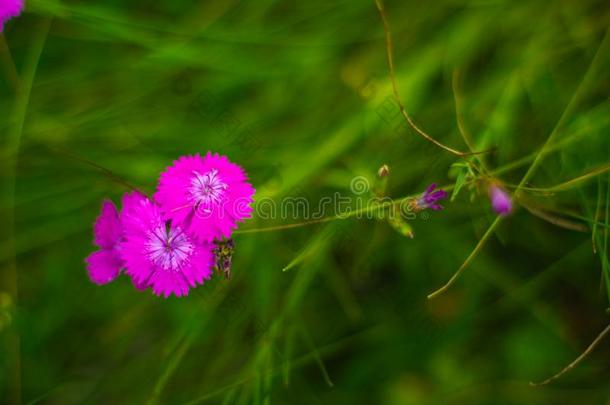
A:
{"x":109,"y":93}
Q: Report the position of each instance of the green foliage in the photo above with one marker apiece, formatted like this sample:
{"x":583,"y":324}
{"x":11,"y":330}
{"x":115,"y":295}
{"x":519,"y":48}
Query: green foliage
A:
{"x":98,"y":97}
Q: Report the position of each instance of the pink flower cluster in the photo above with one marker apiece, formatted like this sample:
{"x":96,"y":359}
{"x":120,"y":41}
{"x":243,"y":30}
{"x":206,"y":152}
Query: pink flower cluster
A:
{"x":167,"y":243}
{"x":9,"y":9}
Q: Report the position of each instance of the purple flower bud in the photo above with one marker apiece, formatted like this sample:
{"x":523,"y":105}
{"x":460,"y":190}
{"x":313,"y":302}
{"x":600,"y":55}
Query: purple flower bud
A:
{"x":430,"y":198}
{"x":500,"y":200}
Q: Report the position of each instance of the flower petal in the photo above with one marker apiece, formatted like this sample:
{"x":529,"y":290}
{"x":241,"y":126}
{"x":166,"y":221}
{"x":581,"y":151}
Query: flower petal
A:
{"x":103,"y":266}
{"x":107,"y":228}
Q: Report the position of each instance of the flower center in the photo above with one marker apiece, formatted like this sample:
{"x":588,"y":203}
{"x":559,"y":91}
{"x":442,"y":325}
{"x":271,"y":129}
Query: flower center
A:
{"x":207,"y":189}
{"x":168,"y":248}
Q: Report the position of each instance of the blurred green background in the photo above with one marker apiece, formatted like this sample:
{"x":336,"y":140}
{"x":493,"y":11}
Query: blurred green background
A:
{"x":99,"y":94}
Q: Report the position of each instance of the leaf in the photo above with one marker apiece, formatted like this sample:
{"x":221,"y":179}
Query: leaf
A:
{"x":459,"y":182}
{"x":400,"y":224}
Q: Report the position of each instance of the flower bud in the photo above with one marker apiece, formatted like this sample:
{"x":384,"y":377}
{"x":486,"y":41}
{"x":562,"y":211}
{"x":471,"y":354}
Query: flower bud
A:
{"x":383,"y":171}
{"x":500,"y":200}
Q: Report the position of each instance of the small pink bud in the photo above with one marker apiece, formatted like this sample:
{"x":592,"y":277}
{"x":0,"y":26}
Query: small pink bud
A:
{"x":500,"y":200}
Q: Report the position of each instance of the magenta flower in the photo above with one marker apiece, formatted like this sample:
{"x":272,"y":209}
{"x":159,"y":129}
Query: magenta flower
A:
{"x":500,"y":200}
{"x":207,"y":195}
{"x":159,"y":254}
{"x":8,"y":10}
{"x":105,"y":264}
{"x":430,"y":198}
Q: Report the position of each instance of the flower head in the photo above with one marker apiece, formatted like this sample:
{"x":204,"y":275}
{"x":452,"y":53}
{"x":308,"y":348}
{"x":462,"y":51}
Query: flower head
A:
{"x":500,"y":200}
{"x":158,"y":253}
{"x":206,"y":196}
{"x":105,"y":264}
{"x":8,"y":10}
{"x":430,"y":198}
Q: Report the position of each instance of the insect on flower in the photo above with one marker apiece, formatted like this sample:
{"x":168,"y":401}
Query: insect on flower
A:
{"x":223,"y":257}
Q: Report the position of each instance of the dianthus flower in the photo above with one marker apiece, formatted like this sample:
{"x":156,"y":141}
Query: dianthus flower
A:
{"x":206,"y":196}
{"x":158,"y":253}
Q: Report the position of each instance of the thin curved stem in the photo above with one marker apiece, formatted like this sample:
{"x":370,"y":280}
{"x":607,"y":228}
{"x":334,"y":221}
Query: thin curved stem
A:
{"x":352,"y":214}
{"x":468,"y":260}
{"x":580,"y":358}
{"x":566,"y":185}
{"x":457,"y":101}
{"x":555,"y":220}
{"x":403,"y":111}
{"x":116,"y":178}
{"x":286,"y":226}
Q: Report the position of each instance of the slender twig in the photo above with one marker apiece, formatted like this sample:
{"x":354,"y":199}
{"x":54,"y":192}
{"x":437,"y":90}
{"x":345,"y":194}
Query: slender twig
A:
{"x":459,"y":118}
{"x":604,"y":253}
{"x":596,"y":215}
{"x":403,"y":111}
{"x":573,"y":215}
{"x":286,"y":226}
{"x":555,"y":220}
{"x":455,"y":78}
{"x":118,"y":179}
{"x":580,"y":179}
{"x":356,"y":213}
{"x":580,"y":358}
{"x":468,"y":260}
{"x":566,"y":185}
